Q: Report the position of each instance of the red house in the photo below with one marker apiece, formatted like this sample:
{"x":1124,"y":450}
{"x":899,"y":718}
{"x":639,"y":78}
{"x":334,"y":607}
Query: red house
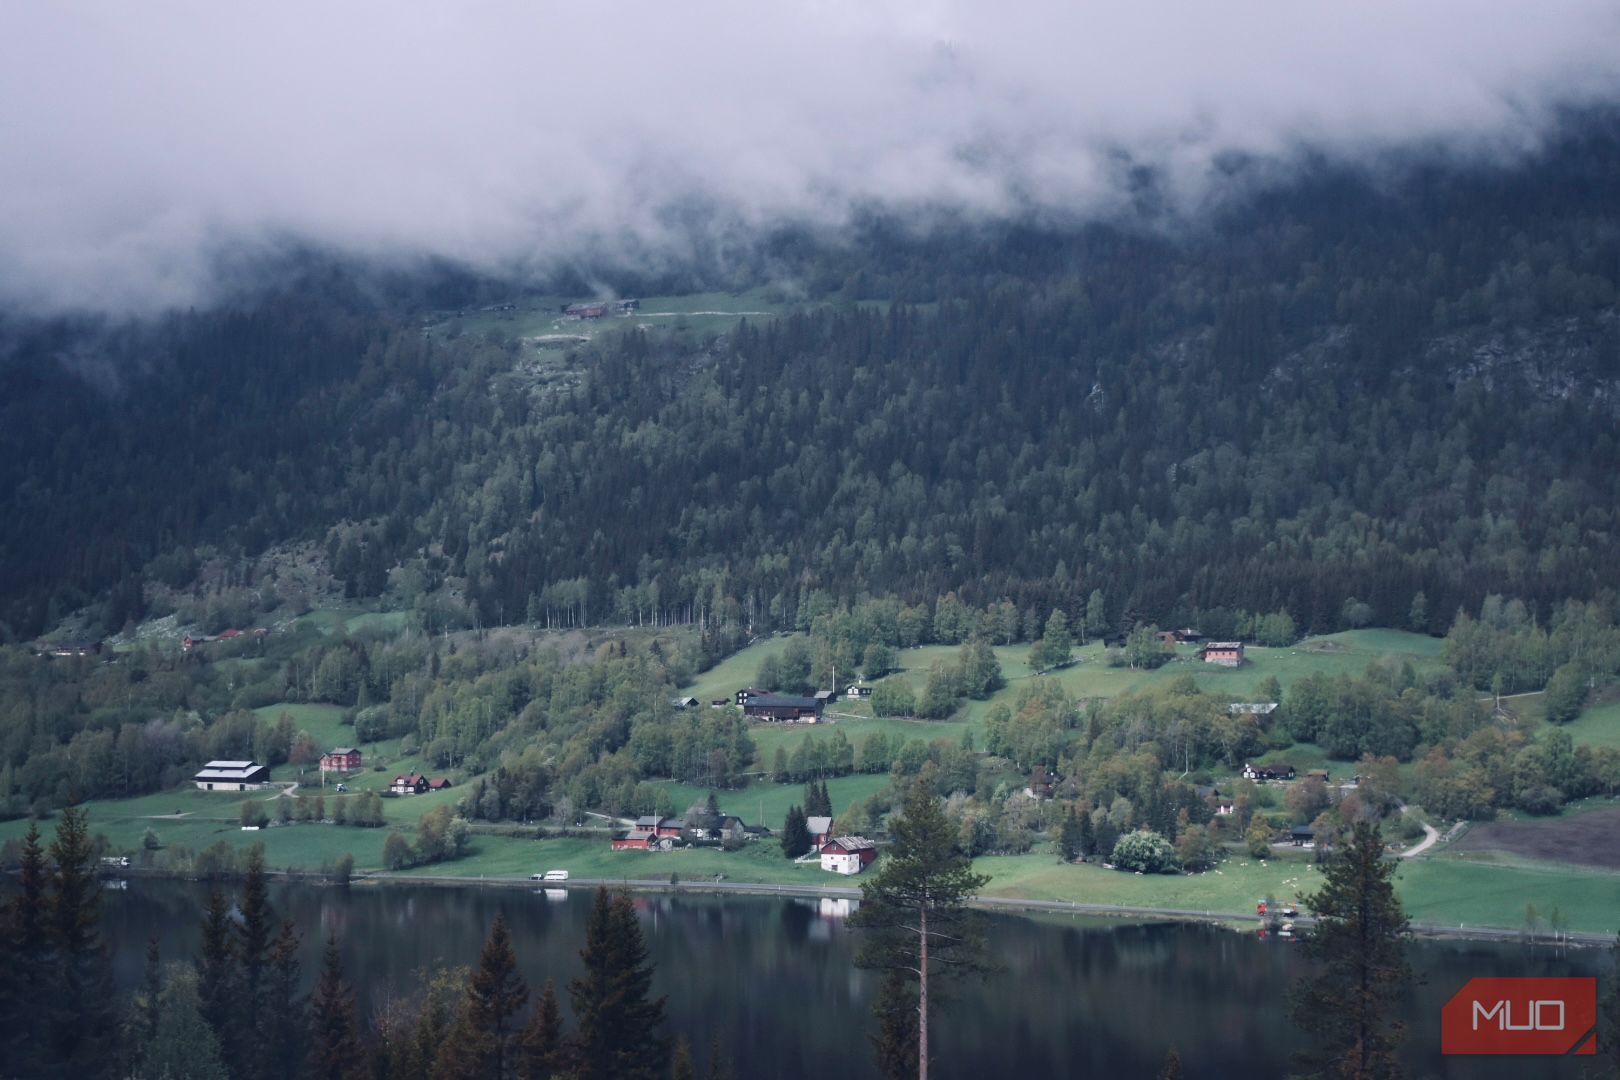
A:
{"x":440,"y":783}
{"x":342,"y":759}
{"x":635,"y":839}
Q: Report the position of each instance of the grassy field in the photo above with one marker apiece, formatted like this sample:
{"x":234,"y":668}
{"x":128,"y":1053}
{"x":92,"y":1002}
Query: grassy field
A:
{"x":767,"y":804}
{"x":1234,"y":886}
{"x":501,"y":856}
{"x":1476,"y":892}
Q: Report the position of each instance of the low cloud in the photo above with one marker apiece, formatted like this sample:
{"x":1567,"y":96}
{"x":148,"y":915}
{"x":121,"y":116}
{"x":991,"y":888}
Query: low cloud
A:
{"x":142,"y":144}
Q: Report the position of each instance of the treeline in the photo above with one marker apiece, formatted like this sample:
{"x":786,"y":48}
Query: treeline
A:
{"x":236,"y":1008}
{"x":1282,"y":411}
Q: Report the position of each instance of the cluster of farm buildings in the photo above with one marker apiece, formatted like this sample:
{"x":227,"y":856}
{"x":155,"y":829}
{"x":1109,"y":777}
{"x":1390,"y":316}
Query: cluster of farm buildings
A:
{"x":838,"y":854}
{"x":225,"y":775}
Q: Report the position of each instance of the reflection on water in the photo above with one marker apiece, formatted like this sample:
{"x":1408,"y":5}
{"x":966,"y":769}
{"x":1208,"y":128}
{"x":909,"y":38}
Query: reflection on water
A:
{"x":772,"y":978}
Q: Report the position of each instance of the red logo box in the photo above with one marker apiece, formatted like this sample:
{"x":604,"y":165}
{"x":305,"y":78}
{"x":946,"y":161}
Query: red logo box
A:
{"x":1521,"y":1016}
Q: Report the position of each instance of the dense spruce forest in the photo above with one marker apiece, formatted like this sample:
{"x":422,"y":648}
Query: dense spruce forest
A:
{"x":1354,"y":398}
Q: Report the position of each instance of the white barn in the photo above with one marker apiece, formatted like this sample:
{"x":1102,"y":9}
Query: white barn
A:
{"x":232,"y":776}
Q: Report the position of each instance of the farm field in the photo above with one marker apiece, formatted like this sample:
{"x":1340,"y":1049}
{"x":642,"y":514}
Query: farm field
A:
{"x":760,"y":862}
{"x":1591,"y":838}
{"x":767,"y":804}
{"x":1455,"y":891}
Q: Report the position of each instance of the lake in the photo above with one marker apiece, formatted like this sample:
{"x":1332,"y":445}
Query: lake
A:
{"x":773,"y":978}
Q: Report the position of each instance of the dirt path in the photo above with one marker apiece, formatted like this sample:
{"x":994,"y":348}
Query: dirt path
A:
{"x":1431,"y":836}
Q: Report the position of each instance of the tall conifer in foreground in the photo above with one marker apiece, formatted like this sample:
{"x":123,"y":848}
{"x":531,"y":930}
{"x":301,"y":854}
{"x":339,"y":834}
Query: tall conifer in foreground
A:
{"x":334,"y":1039}
{"x":543,"y":1045}
{"x":486,"y":1034}
{"x":25,"y":971}
{"x":618,"y":1036}
{"x":917,"y":903}
{"x":79,"y":1002}
{"x":1349,"y":1006}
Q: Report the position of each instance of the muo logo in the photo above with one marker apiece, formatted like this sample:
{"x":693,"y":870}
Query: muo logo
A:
{"x":1521,"y":1016}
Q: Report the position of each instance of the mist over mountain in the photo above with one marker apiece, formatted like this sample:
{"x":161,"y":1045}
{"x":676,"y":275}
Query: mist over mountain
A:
{"x":161,"y":157}
{"x":1342,"y":397}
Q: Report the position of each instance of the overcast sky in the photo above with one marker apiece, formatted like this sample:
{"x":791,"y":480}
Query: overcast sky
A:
{"x":139,"y":142}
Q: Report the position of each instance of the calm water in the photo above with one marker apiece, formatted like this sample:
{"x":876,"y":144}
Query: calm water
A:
{"x":772,"y":977}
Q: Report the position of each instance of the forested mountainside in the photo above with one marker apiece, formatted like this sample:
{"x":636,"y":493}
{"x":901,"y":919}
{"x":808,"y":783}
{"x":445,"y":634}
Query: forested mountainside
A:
{"x":1347,"y":398}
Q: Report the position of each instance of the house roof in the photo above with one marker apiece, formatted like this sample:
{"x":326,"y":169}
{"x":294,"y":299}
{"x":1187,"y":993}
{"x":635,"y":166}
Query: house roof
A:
{"x":232,"y":770}
{"x":818,"y":825}
{"x":637,"y":834}
{"x":1223,"y":645}
{"x":850,"y":844}
{"x":648,"y":821}
{"x":781,"y":701}
{"x":1252,"y":708}
{"x":343,"y":750}
{"x":409,"y":778}
{"x":1302,"y":830}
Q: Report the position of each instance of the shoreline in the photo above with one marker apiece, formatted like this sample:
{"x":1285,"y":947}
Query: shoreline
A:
{"x":1005,"y":904}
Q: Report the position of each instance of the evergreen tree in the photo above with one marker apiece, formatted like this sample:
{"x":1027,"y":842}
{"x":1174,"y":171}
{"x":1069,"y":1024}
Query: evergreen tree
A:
{"x":79,"y":1001}
{"x":1349,"y":1005}
{"x":544,"y":1046}
{"x":1088,"y":836}
{"x":496,"y":995}
{"x":1069,"y":836}
{"x":26,"y":971}
{"x":151,"y":993}
{"x":334,"y":1036}
{"x":618,"y":1036}
{"x":281,"y":1028}
{"x":244,"y":1044}
{"x":1172,"y":1066}
{"x":894,"y":1044}
{"x":215,"y":965}
{"x":917,"y":904}
{"x":795,"y":834}
{"x":779,"y":766}
{"x":1096,"y":621}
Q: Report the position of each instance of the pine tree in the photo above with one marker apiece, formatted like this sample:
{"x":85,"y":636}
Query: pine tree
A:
{"x":496,"y":995}
{"x":282,"y":1026}
{"x":151,"y":992}
{"x":25,"y":973}
{"x":779,"y":766}
{"x":610,"y":999}
{"x":1088,"y":836}
{"x":544,"y":1047}
{"x":334,"y":1039}
{"x":215,"y":965}
{"x":894,"y":1045}
{"x":243,"y":1043}
{"x":917,"y":904}
{"x":1172,"y":1066}
{"x":1360,"y":944}
{"x":79,"y":999}
{"x":1069,"y":836}
{"x":795,"y":834}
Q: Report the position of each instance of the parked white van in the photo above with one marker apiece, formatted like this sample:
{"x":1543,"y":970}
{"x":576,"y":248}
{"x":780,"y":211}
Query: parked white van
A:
{"x":550,"y":875}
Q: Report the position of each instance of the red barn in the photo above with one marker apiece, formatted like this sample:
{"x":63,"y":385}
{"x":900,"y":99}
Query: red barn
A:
{"x":635,"y":839}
